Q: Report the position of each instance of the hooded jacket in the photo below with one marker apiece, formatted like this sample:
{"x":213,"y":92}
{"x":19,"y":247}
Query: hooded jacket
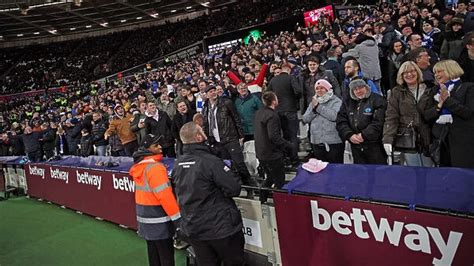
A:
{"x":121,"y":127}
{"x":156,"y":205}
{"x":367,"y":54}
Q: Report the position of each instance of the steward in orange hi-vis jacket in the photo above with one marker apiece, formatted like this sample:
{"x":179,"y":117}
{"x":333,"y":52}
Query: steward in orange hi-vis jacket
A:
{"x":156,"y":204}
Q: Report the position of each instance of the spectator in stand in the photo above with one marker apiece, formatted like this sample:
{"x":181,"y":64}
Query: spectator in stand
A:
{"x":452,"y":45}
{"x":73,"y":135}
{"x":454,"y":111}
{"x":137,"y":125}
{"x":224,"y":129}
{"x":87,"y":143}
{"x":352,"y":71}
{"x":333,"y":64}
{"x":62,"y":147}
{"x":288,"y":92}
{"x":166,"y":105}
{"x":395,"y":56}
{"x":466,"y":60}
{"x":246,"y":105}
{"x":183,"y":116}
{"x":32,"y":142}
{"x":254,"y":85}
{"x":99,"y":127}
{"x":414,"y":42}
{"x":405,"y":109}
{"x":366,"y":52}
{"x":422,"y":59}
{"x":321,"y":114}
{"x":270,"y":146}
{"x":309,"y":76}
{"x":431,"y":36}
{"x":158,"y":123}
{"x":360,"y":121}
{"x":48,"y":140}
{"x":120,"y":125}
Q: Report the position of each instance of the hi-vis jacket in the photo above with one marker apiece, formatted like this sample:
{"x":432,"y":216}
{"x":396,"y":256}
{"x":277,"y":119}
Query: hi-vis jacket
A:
{"x":156,"y":204}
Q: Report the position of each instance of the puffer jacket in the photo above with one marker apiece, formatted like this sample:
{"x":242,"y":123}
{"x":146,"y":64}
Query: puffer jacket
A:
{"x":205,"y":187}
{"x":366,"y":116}
{"x":403,"y":109}
{"x":98,"y":131}
{"x":322,"y":120}
{"x":156,"y":205}
{"x":228,"y":121}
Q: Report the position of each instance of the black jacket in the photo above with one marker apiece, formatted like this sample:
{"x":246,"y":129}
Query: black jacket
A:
{"x":87,"y":147}
{"x":32,"y":142}
{"x":179,"y":120}
{"x":49,"y":139}
{"x":269,"y":142}
{"x":204,"y":186}
{"x":228,"y":120}
{"x":98,"y":131}
{"x":73,"y":137}
{"x":366,"y":116}
{"x":287,"y":90}
{"x":162,"y":127}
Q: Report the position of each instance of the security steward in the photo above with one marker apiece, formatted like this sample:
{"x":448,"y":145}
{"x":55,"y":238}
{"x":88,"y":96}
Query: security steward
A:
{"x":205,"y":186}
{"x":156,"y":206}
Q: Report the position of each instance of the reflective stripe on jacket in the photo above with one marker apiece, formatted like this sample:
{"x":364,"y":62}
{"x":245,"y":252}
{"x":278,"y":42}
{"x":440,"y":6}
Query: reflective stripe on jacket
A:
{"x":156,"y":205}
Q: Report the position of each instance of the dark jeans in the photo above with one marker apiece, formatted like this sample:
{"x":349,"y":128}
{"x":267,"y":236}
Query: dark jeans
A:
{"x":373,"y":153}
{"x":229,"y":250}
{"x":334,"y":155}
{"x":275,"y":175}
{"x":289,"y":126}
{"x":233,"y":151}
{"x":160,"y":252}
{"x":130,"y":148}
{"x":35,"y":156}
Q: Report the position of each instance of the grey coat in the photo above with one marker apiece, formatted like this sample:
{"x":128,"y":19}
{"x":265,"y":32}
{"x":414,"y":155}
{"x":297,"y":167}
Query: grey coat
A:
{"x":367,"y":54}
{"x":322,"y":121}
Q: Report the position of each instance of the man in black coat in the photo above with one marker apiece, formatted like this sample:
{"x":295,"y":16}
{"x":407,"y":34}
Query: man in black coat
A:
{"x":183,"y":116}
{"x":99,"y":126}
{"x":223,"y":127}
{"x":49,"y":140}
{"x":32,"y":143}
{"x":360,"y":121}
{"x":270,"y":146}
{"x":205,"y":186}
{"x":158,"y":123}
{"x":288,"y":91}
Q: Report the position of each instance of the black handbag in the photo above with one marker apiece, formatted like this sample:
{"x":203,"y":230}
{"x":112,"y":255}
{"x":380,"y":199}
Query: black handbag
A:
{"x":406,"y":138}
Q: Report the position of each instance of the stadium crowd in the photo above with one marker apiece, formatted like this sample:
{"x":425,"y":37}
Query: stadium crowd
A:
{"x":385,"y":78}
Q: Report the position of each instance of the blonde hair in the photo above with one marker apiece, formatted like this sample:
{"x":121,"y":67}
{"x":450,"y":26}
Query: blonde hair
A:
{"x":408,"y":66}
{"x":450,"y":67}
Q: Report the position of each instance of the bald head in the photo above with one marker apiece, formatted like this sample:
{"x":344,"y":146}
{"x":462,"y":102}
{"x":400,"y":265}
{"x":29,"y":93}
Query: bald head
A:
{"x":191,"y":133}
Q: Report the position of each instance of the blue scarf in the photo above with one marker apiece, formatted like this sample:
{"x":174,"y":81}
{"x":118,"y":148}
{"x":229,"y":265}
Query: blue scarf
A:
{"x":444,"y":110}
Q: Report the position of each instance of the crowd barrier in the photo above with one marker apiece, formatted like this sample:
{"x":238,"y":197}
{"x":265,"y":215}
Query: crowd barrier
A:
{"x":344,"y":215}
{"x":377,"y":215}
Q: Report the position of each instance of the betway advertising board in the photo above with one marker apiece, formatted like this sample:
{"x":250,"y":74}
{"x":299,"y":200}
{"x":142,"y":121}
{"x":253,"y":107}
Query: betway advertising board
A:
{"x":108,"y":195}
{"x":321,"y":231}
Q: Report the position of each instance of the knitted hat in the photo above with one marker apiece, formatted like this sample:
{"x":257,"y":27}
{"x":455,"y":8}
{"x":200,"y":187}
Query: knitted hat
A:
{"x":323,"y":83}
{"x":149,"y":140}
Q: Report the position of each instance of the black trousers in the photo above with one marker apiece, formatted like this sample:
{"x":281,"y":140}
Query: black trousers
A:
{"x":334,"y":155}
{"x":233,"y":151}
{"x":369,"y":154}
{"x":160,"y":252}
{"x":229,"y":250}
{"x":289,"y":127}
{"x":275,"y":175}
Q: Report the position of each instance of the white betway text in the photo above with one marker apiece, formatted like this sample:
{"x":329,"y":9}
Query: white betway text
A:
{"x":58,"y":174}
{"x":36,"y":171}
{"x":124,"y":183}
{"x":89,"y":179}
{"x":417,"y":237}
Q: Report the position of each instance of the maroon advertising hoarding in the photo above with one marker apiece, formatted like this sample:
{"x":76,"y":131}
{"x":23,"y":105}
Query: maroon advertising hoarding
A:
{"x":108,"y":195}
{"x":321,"y":231}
